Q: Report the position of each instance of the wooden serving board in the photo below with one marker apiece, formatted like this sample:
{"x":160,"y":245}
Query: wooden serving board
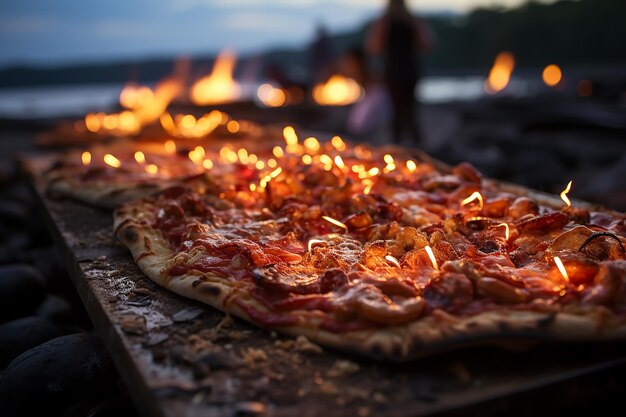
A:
{"x":181,"y":358}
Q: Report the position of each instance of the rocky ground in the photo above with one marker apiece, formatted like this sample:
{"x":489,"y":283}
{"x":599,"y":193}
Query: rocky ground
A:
{"x":50,"y":359}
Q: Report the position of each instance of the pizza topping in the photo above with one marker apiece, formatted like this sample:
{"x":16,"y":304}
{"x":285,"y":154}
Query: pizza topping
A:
{"x":320,"y":240}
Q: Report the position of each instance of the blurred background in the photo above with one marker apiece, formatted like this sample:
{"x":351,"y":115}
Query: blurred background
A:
{"x":530,"y":92}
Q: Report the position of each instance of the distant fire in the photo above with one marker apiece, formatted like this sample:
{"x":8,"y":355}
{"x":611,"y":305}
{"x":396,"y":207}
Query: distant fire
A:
{"x":145,"y":105}
{"x":552,"y":75}
{"x":219,"y":86}
{"x":337,"y":91}
{"x":500,"y":74}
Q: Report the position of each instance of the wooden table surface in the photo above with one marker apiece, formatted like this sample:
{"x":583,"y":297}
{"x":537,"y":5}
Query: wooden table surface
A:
{"x":181,"y":358}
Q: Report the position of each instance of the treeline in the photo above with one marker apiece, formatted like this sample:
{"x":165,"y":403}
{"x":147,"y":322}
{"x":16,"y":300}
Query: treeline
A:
{"x":582,"y":32}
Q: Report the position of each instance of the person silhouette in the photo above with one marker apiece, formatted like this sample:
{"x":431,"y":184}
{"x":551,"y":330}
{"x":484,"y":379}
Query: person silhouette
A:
{"x":398,"y":37}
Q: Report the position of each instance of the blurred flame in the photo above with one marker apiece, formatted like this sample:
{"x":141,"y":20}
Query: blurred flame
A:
{"x":112,"y":161}
{"x":561,"y":267}
{"x":311,"y":144}
{"x":431,"y":255}
{"x":152,"y":169}
{"x":552,"y":75}
{"x":187,"y":126}
{"x":140,"y":157}
{"x":500,"y":74}
{"x":411,"y":165}
{"x":278,"y":151}
{"x":564,"y":194}
{"x":476,"y":196}
{"x":233,"y":126}
{"x":170,"y":146}
{"x":85,"y":157}
{"x":337,"y":91}
{"x":338,"y":143}
{"x":335,"y":222}
{"x":271,"y":96}
{"x":134,"y":96}
{"x":219,"y":86}
{"x":145,"y":108}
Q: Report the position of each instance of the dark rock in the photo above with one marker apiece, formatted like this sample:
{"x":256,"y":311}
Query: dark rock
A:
{"x":22,"y":289}
{"x":55,"y":309}
{"x":17,"y":336}
{"x":55,"y":375}
{"x":13,"y":213}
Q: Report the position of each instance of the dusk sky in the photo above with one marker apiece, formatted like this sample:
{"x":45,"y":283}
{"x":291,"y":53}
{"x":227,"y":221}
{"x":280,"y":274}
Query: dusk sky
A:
{"x":61,"y":31}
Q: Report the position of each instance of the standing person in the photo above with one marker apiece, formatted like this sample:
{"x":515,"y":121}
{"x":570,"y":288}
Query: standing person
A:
{"x":399,"y":38}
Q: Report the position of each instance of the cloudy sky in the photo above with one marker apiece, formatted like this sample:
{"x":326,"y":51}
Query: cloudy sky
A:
{"x":60,"y":31}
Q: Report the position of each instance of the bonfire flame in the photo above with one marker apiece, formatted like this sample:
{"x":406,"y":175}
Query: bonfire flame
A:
{"x":337,"y":91}
{"x":219,"y":86}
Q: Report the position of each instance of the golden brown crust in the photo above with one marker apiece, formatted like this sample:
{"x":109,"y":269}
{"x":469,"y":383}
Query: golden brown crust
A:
{"x":432,"y":334}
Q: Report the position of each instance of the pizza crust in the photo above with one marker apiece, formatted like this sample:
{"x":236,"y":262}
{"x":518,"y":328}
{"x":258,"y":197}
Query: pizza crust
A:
{"x":435,"y":333}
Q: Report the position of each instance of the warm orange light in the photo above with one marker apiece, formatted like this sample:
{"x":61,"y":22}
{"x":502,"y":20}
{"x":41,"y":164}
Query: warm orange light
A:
{"x":276,"y":172}
{"x":197,"y":155}
{"x":207,"y":164}
{"x":219,"y":86}
{"x":85,"y":157}
{"x":335,"y":222}
{"x":278,"y":152}
{"x":140,"y":157}
{"x":134,"y":96}
{"x":152,"y":169}
{"x":561,"y":267}
{"x":339,"y":162}
{"x":393,"y":261}
{"x":233,"y":126}
{"x":187,"y":126}
{"x":112,"y":161}
{"x":259,"y":165}
{"x":291,"y":138}
{"x":170,"y":146}
{"x":476,"y":196}
{"x":150,"y":110}
{"x":500,"y":74}
{"x":271,"y":96}
{"x":507,"y":231}
{"x":307,"y":159}
{"x":271,"y":163}
{"x":368,"y":186}
{"x":311,"y":144}
{"x":411,"y":165}
{"x":552,"y":75}
{"x":564,"y":194}
{"x":338,"y":143}
{"x":431,"y":255}
{"x":92,"y":122}
{"x":337,"y":91}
